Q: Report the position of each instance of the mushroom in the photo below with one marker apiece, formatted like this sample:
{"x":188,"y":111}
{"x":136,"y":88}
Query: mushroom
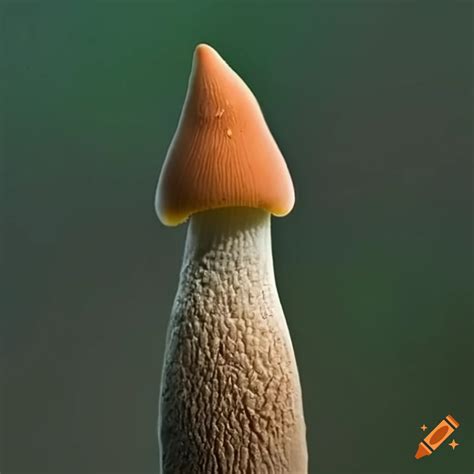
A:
{"x":230,"y":396}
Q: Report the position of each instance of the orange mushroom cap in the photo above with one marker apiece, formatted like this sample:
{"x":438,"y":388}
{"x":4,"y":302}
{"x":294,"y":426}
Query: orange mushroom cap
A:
{"x":222,"y":153}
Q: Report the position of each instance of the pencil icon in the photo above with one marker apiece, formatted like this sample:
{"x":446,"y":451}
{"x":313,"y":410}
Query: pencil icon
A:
{"x":437,"y":436}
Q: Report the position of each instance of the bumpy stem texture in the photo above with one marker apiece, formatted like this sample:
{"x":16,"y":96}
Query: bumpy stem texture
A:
{"x":230,"y":395}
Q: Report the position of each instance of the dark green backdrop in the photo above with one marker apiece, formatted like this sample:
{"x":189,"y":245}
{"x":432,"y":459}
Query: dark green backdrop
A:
{"x":370,"y":102}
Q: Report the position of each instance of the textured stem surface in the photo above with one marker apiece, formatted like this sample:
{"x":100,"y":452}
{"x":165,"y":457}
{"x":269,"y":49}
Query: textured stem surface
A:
{"x":230,"y":394}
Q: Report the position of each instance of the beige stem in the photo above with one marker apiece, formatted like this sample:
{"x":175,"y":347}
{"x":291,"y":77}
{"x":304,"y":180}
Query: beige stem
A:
{"x":230,"y":397}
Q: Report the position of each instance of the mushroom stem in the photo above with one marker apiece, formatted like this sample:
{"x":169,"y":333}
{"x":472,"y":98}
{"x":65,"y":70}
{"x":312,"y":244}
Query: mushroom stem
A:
{"x":230,"y":394}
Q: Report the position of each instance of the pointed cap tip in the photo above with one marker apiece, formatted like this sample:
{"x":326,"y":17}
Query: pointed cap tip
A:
{"x":203,"y":51}
{"x":207,"y":62}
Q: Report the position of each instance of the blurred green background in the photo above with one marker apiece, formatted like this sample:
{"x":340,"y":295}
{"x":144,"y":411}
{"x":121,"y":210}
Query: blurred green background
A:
{"x":371,"y":104}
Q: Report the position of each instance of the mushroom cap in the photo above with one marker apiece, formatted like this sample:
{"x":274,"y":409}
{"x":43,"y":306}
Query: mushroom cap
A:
{"x":222,"y":153}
